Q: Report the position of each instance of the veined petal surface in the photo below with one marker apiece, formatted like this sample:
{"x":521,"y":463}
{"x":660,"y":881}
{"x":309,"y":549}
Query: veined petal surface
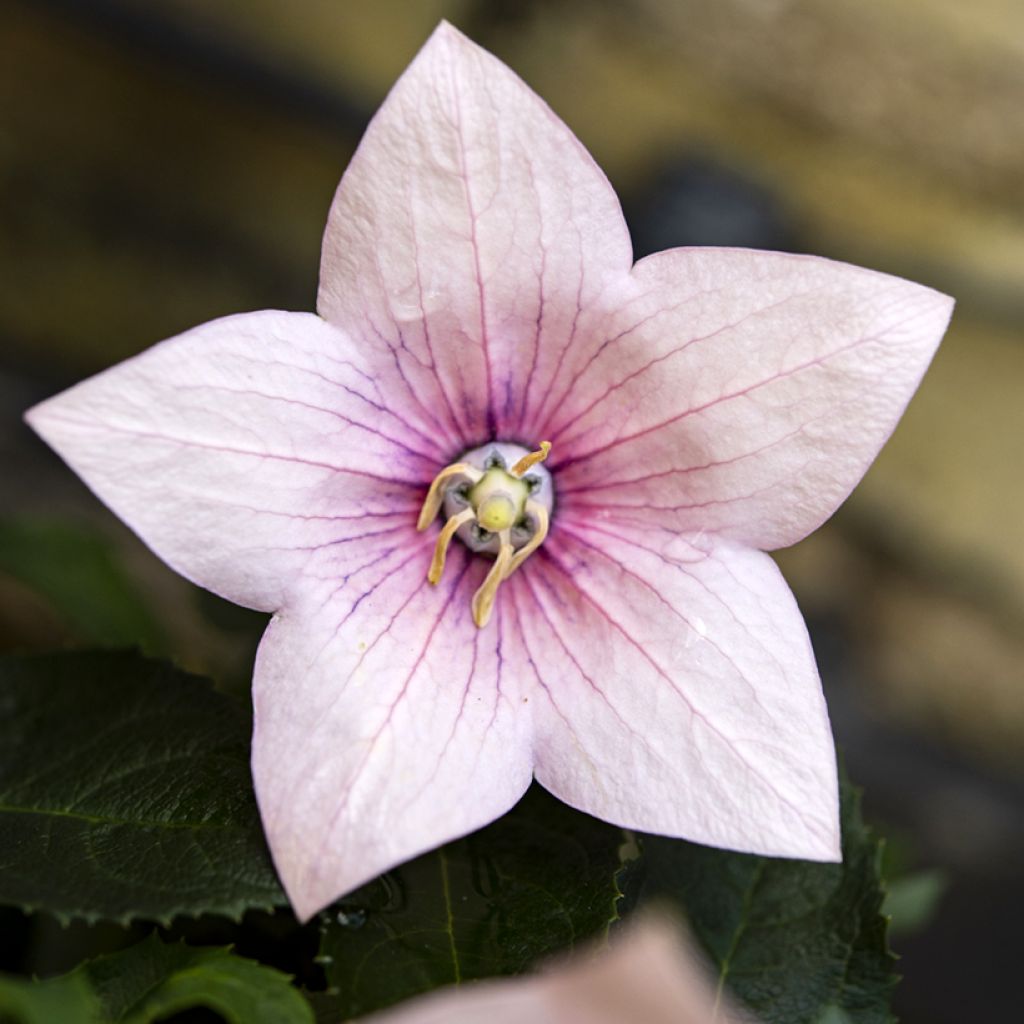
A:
{"x":742,"y":393}
{"x":676,"y":690}
{"x":648,"y":663}
{"x":238,"y":449}
{"x":467,"y":240}
{"x":386,"y":723}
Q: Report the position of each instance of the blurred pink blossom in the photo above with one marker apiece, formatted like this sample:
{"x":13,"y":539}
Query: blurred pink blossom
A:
{"x":648,"y":975}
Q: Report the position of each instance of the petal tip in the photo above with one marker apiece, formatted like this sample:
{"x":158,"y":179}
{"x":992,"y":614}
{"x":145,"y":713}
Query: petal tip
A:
{"x":306,"y":908}
{"x":32,"y":416}
{"x":38,"y":416}
{"x":936,"y":303}
{"x":310,"y":890}
{"x":934,"y":311}
{"x":943,"y":307}
{"x":445,"y":33}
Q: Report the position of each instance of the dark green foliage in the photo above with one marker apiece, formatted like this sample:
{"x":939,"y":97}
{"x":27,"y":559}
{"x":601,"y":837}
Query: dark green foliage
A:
{"x":67,"y":1000}
{"x":125,"y":792}
{"x":538,"y":881}
{"x":798,"y":942}
{"x":153,"y":980}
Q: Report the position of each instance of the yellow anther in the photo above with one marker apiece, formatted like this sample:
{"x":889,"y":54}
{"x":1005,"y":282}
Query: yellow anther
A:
{"x":483,"y":599}
{"x":540,"y":518}
{"x":435,"y":496}
{"x":444,"y":538}
{"x":497,"y":512}
{"x":532,"y":459}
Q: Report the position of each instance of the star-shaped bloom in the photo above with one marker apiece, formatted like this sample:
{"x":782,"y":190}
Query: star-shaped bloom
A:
{"x":607,"y":620}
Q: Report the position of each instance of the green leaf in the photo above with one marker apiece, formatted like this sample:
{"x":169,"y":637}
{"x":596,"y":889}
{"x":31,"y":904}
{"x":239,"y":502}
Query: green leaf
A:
{"x":152,"y":980}
{"x":911,"y":901}
{"x":125,"y":792}
{"x":538,"y":880}
{"x":79,"y":576}
{"x":798,"y":942}
{"x":67,"y":1000}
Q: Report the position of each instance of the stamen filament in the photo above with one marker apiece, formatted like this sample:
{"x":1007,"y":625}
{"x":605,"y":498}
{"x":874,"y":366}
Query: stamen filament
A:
{"x":483,"y":600}
{"x":435,"y":496}
{"x":532,"y":459}
{"x":444,"y":538}
{"x":540,"y":518}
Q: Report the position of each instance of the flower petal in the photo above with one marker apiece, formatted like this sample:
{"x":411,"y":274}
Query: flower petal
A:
{"x":467,"y":236}
{"x":740,"y":392}
{"x":676,"y":691}
{"x":508,"y":1001}
{"x":647,"y":974}
{"x":385,"y":722}
{"x":238,"y":448}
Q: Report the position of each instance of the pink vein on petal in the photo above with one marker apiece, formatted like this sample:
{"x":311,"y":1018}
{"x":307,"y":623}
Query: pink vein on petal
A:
{"x":474,"y":244}
{"x":538,"y":330}
{"x":339,"y":689}
{"x":416,"y":552}
{"x":569,"y":342}
{"x":342,"y":576}
{"x":372,"y":742}
{"x":206,"y":446}
{"x":694,"y":410}
{"x":579,"y":539}
{"x":467,"y":686}
{"x":348,"y":389}
{"x":553,"y":629}
{"x":408,"y":510}
{"x":334,"y":414}
{"x":336,"y":541}
{"x":686,"y":470}
{"x":559,"y":430}
{"x":461,"y":429}
{"x":729,"y":744}
{"x":682,"y":506}
{"x":606,"y":342}
{"x":453,"y":439}
{"x":528,"y":654}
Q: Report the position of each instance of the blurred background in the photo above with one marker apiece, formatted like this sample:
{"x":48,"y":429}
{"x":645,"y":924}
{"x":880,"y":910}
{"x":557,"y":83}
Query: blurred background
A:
{"x":168,"y":161}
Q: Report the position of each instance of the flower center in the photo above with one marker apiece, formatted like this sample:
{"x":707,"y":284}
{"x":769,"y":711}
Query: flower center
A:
{"x":497,"y":500}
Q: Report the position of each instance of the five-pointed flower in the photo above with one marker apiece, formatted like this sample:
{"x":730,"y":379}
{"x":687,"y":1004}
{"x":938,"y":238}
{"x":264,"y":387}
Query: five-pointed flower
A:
{"x":644,"y":660}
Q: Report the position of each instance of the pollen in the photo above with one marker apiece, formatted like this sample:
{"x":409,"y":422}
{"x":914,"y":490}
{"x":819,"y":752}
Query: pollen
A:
{"x":497,"y":500}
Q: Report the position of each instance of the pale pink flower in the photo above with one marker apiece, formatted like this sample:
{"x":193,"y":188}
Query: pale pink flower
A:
{"x":647,"y":664}
{"x":648,"y":975}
